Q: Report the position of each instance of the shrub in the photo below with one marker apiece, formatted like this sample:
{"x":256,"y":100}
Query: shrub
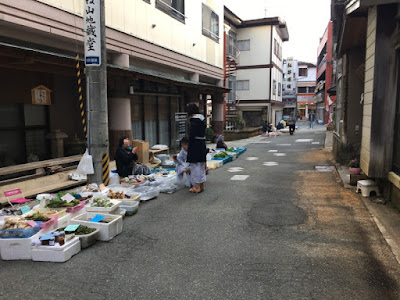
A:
{"x":209,"y":134}
{"x":239,"y":123}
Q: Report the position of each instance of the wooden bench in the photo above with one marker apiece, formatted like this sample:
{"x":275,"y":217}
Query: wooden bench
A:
{"x":32,"y":185}
{"x":39,"y":165}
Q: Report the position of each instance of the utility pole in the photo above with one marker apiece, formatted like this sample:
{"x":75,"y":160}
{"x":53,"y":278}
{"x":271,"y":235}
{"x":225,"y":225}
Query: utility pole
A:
{"x":96,"y":76}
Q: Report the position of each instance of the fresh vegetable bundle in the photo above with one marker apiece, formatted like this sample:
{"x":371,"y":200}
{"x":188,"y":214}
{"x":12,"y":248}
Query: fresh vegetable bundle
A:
{"x":102,"y":202}
{"x":37,"y":217}
{"x":221,"y":154}
{"x":57,"y":202}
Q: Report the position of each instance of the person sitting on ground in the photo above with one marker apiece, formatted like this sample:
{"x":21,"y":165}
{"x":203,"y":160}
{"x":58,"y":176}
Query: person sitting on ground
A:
{"x":280,"y":125}
{"x":180,"y":160}
{"x":220,"y":142}
{"x":125,"y":157}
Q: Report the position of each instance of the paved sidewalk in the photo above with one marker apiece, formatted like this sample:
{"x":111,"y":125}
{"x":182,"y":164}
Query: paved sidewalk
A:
{"x":386,"y":217}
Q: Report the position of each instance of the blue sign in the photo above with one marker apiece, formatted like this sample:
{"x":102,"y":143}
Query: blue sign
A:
{"x":93,"y":60}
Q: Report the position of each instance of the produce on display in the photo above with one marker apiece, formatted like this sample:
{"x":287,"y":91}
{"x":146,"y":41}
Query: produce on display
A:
{"x":117,"y":195}
{"x":82,"y":230}
{"x":57,"y":202}
{"x":91,"y":188}
{"x":221,"y":154}
{"x":36,"y":216}
{"x":101,"y":202}
{"x":15,"y":223}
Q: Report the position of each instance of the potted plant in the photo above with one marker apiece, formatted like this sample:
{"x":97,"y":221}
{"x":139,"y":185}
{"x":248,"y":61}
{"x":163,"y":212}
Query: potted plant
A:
{"x":354,"y":167}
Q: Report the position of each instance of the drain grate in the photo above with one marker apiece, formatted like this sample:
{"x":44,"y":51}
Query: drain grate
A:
{"x":325,"y":169}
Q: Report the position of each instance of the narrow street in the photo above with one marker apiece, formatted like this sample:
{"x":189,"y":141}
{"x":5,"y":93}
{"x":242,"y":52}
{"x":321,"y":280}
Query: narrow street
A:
{"x":284,"y":232}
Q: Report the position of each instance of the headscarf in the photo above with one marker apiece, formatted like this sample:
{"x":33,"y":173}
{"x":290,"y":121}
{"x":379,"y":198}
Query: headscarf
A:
{"x":219,"y":139}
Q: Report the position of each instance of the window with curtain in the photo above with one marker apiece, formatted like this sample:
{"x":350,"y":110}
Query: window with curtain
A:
{"x":210,"y":23}
{"x":243,"y":85}
{"x":150,"y":120}
{"x":164,"y":119}
{"x":231,"y":48}
{"x":274,"y":87}
{"x":243,"y":45}
{"x":136,"y":116}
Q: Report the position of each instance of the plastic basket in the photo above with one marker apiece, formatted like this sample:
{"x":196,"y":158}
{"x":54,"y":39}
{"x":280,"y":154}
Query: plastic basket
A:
{"x":19,"y":233}
{"x":75,"y":208}
{"x":53,"y":221}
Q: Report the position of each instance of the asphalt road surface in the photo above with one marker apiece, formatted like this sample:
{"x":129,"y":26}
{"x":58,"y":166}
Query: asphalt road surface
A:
{"x":284,"y":232}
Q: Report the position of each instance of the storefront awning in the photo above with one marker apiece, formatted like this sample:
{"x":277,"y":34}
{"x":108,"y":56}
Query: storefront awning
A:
{"x":59,"y":60}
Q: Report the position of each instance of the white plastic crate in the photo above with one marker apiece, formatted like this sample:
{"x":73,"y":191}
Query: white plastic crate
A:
{"x":56,"y":253}
{"x":17,"y":249}
{"x":107,"y":230}
{"x":64,"y":221}
{"x":130,"y":209}
{"x":107,"y":210}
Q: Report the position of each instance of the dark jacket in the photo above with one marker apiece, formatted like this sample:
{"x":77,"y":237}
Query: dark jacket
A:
{"x":124,"y":159}
{"x":221,"y":144}
{"x":197,"y":144}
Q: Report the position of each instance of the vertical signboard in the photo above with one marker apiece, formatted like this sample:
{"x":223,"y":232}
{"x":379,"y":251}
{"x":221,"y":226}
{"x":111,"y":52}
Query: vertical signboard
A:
{"x":180,"y":119}
{"x":92,"y":33}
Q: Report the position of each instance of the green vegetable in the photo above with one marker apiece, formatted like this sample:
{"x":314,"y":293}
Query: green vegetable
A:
{"x":38,"y":217}
{"x":57,"y":202}
{"x":102,"y":202}
{"x":81,"y":230}
{"x":230,"y":149}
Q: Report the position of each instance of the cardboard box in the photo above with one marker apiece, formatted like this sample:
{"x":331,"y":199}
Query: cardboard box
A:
{"x":142,"y":151}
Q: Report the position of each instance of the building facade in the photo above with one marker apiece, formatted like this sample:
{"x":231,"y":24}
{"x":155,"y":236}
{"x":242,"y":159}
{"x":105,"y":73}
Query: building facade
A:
{"x":367,"y":34}
{"x":306,"y":76}
{"x":257,"y":78}
{"x":324,"y":107}
{"x":161,"y":55}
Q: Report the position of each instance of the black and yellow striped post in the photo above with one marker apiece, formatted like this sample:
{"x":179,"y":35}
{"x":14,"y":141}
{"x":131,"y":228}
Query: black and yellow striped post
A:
{"x":106,"y":169}
{"x":81,"y":106}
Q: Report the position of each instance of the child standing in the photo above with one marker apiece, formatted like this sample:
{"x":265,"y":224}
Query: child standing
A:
{"x":182,"y":167}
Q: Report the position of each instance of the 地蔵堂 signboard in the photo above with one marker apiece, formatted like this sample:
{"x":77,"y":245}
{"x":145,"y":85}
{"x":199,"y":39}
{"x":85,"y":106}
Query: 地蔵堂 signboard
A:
{"x":41,"y":95}
{"x":180,"y":119}
{"x":92,"y":29}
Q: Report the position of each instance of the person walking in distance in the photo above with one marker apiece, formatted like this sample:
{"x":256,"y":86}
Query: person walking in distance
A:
{"x":292,"y":124}
{"x":312,"y":118}
{"x":197,"y":150}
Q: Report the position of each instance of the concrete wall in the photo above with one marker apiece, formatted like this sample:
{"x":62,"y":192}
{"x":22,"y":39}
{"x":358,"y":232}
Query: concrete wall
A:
{"x":260,"y":46}
{"x":259,"y":84}
{"x":137,"y":17}
{"x":368,"y":89}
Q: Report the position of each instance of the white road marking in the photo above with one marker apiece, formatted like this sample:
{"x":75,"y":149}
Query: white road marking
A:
{"x":235,"y":169}
{"x":270,"y":164}
{"x":272,"y":151}
{"x":251,"y":158}
{"x":285,"y":145}
{"x":261,"y":142}
{"x":280,"y":154}
{"x":304,"y":140}
{"x":315,"y":143}
{"x":240,"y":177}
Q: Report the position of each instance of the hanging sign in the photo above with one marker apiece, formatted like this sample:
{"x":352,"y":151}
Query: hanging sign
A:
{"x":180,"y":119}
{"x":92,"y":29}
{"x":41,"y":95}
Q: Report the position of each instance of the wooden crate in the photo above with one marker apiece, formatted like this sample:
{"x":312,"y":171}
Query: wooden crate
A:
{"x":142,"y":151}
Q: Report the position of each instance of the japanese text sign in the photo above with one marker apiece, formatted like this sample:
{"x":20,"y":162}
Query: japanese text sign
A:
{"x":92,"y":29}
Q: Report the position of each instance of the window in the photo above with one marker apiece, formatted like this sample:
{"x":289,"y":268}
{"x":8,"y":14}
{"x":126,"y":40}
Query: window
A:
{"x":303,"y":72}
{"x":275,"y":46}
{"x":311,"y":89}
{"x":279,"y":89}
{"x":302,"y":90}
{"x":231,"y":44}
{"x":283,"y":87}
{"x":210,"y":23}
{"x":232,"y":86}
{"x":243,"y":45}
{"x":174,"y":8}
{"x":243,"y":85}
{"x":274,"y":87}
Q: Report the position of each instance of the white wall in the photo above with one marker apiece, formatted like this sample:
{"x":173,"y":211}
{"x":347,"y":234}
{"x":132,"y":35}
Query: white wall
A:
{"x":136,"y":17}
{"x":259,"y":84}
{"x":260,"y":47}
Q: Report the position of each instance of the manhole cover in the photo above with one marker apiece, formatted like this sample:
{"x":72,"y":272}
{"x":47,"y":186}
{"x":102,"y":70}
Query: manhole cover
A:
{"x":325,"y":168}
